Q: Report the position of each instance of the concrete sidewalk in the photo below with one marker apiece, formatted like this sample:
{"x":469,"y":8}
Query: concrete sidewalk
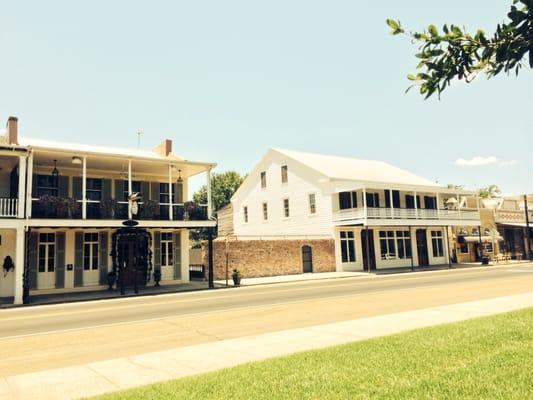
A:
{"x":265,"y":280}
{"x":127,"y":372}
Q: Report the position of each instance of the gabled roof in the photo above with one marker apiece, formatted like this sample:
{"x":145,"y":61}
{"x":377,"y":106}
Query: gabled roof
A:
{"x":352,"y":169}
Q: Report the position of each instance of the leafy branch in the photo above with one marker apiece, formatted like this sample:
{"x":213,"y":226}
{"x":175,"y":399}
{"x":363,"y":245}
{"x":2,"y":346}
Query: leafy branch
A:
{"x":453,"y":53}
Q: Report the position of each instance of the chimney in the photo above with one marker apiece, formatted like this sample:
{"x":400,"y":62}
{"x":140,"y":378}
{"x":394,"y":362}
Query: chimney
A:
{"x":12,"y":130}
{"x":164,"y":148}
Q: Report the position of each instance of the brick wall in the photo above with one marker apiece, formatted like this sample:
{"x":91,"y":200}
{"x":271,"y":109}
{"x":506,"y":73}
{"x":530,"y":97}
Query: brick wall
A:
{"x":256,"y":258}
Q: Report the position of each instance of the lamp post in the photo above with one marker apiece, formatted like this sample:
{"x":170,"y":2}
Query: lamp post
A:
{"x":528,"y":231}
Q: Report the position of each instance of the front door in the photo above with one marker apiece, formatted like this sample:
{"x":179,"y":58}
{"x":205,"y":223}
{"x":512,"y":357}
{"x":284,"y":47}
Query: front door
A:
{"x":132,"y":269}
{"x":422,"y":247}
{"x":369,"y":253}
{"x":307,"y":259}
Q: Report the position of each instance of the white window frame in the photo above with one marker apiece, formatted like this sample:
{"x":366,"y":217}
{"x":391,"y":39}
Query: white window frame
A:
{"x":263,"y":180}
{"x":94,"y":248}
{"x":284,"y":174}
{"x":437,"y":236}
{"x":312,"y":204}
{"x":49,"y":253}
{"x":167,"y":249}
{"x":387,"y":237}
{"x":346,"y":237}
{"x":286,"y":204}
{"x":245,"y":215}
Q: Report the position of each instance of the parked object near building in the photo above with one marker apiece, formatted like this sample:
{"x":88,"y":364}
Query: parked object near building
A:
{"x":63,"y":209}
{"x":303,"y":212}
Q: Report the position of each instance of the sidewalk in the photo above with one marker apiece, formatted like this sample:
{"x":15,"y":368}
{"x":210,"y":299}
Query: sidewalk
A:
{"x":291,"y":278}
{"x":127,"y":372}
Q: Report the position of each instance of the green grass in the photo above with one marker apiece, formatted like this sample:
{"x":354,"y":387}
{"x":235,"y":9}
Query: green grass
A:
{"x":486,"y":358}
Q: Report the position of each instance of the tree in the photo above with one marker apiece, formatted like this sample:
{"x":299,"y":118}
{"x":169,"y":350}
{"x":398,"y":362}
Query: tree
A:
{"x":456,"y":54}
{"x":489,"y":192}
{"x":223,"y":186}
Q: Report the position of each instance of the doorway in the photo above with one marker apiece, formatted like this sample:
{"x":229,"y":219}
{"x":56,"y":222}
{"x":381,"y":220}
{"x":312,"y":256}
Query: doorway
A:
{"x":132,"y":257}
{"x":422,"y":248}
{"x":307,"y":259}
{"x":369,"y":252}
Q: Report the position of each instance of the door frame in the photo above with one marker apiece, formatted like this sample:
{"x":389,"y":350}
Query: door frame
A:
{"x":371,"y":256}
{"x":422,"y":250}
{"x":306,"y":246}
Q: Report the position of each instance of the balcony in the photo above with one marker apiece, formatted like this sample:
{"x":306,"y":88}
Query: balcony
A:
{"x":348,"y":216}
{"x":49,"y":207}
{"x":8,"y":207}
{"x":512,"y":217}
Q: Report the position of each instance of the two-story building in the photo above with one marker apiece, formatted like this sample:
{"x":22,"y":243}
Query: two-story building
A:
{"x":313,"y":212}
{"x":511,"y":222}
{"x":63,"y":209}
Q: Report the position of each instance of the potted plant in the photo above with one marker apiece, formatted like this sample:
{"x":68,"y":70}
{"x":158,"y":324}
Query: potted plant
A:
{"x":192,"y":211}
{"x":111,"y":279}
{"x":150,"y":209}
{"x":47,"y":205}
{"x":107,"y":208}
{"x":157,"y":277}
{"x":62,"y":207}
{"x":236,"y":276}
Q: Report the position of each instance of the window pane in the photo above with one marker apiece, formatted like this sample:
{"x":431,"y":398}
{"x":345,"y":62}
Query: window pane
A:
{"x":351,"y":250}
{"x":344,"y":251}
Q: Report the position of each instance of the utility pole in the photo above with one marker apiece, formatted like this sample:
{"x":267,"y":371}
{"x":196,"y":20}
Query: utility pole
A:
{"x":528,"y":231}
{"x":139,"y":134}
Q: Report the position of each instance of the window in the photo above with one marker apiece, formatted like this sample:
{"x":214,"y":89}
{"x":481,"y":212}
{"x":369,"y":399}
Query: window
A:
{"x":47,"y":252}
{"x":430,"y":202}
{"x":263,"y":179}
{"x":437,"y":244}
{"x":165,"y":195}
{"x":47,"y":185}
{"x":372,"y":200}
{"x":90,"y":251}
{"x":403,"y":243}
{"x":286,"y":208}
{"x":463,"y":248}
{"x":347,"y":200}
{"x":135,"y":188}
{"x":395,"y":198}
{"x":265,"y":211}
{"x":245,"y":214}
{"x":387,"y":245}
{"x":94,"y":189}
{"x":312,"y":203}
{"x":347,"y":247}
{"x":167,"y":250}
{"x":488,"y":247}
{"x":410,"y":201}
{"x":284,"y":174}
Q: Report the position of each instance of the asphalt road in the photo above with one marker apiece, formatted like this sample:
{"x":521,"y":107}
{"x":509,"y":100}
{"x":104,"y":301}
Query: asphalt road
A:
{"x":41,"y":337}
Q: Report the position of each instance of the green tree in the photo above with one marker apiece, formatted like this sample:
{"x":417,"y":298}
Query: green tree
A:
{"x":455,"y":54}
{"x":223,"y":186}
{"x":489,"y":192}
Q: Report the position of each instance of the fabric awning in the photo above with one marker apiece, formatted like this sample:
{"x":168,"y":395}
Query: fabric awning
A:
{"x":475,"y":239}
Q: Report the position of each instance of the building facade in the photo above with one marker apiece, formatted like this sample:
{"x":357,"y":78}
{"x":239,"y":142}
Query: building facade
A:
{"x":63,"y":209}
{"x":374,"y":215}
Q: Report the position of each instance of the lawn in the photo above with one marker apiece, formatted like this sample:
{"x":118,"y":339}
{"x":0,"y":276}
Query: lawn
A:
{"x":486,"y":358}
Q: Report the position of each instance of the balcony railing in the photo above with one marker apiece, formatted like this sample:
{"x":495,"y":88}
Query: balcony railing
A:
{"x":512,"y":216}
{"x":67,"y":208}
{"x":405,"y":213}
{"x":8,"y":207}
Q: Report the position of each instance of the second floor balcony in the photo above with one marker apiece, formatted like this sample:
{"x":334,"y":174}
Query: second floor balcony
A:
{"x":518,"y":217}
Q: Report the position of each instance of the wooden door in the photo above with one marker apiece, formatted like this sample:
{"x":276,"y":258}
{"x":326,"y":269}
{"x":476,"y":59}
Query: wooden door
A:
{"x":369,"y":253}
{"x":422,"y":247}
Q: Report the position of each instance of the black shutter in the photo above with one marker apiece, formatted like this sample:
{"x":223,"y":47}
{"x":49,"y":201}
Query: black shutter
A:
{"x":409,"y":201}
{"x":387,"y":198}
{"x":77,"y":187}
{"x":176,"y":236}
{"x":63,"y":186}
{"x":154,"y":193}
{"x":78,"y":259}
{"x":33,"y":259}
{"x":396,"y":198}
{"x":157,"y":251}
{"x":106,"y":189}
{"x":60,"y":260}
{"x":354,"y":199}
{"x":145,"y":190}
{"x":179,"y":193}
{"x":34,"y":193}
{"x":119,"y":190}
{"x":344,"y":200}
{"x":103,"y":239}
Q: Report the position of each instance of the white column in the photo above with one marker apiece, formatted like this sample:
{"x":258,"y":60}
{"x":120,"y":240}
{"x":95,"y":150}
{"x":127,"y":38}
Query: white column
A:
{"x":416,"y":205}
{"x":209,"y":201}
{"x":29,"y":184}
{"x":459,"y":205}
{"x":84,"y":189}
{"x":130,"y":215}
{"x":364,"y":204}
{"x":19,"y":266}
{"x":22,"y":181}
{"x":170,"y":192}
{"x":185,"y":255}
{"x":438,"y":206}
{"x":391,"y":204}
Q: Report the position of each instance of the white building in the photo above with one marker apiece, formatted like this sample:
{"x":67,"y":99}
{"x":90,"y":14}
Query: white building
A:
{"x":62,"y":208}
{"x":378,"y":215}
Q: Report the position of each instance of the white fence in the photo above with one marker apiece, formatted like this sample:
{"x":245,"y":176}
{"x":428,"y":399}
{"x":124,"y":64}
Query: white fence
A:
{"x":405,"y":213}
{"x":8,"y":207}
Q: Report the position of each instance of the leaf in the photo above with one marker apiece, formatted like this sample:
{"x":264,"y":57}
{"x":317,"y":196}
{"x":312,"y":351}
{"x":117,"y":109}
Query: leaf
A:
{"x":432,"y":29}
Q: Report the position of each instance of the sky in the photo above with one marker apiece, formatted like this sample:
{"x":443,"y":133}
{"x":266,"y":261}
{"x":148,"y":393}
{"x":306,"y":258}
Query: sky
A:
{"x":227,"y":80}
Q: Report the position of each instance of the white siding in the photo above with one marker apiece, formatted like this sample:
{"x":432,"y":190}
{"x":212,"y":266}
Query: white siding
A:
{"x":302,"y":181}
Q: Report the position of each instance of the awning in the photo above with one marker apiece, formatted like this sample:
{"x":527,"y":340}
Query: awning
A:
{"x":475,"y":239}
{"x":516,"y":224}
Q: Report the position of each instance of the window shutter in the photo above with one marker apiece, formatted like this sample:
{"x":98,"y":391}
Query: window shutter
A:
{"x":106,"y":189}
{"x":157,"y":251}
{"x":145,"y":190}
{"x":33,"y":250}
{"x":387,"y":198}
{"x":103,"y":239}
{"x":63,"y":186}
{"x":154,"y":193}
{"x":179,"y":193}
{"x":119,"y":190}
{"x":177,"y":254}
{"x":396,"y":198}
{"x":77,"y":187}
{"x":60,"y":260}
{"x":34,"y":186}
{"x":78,"y":259}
